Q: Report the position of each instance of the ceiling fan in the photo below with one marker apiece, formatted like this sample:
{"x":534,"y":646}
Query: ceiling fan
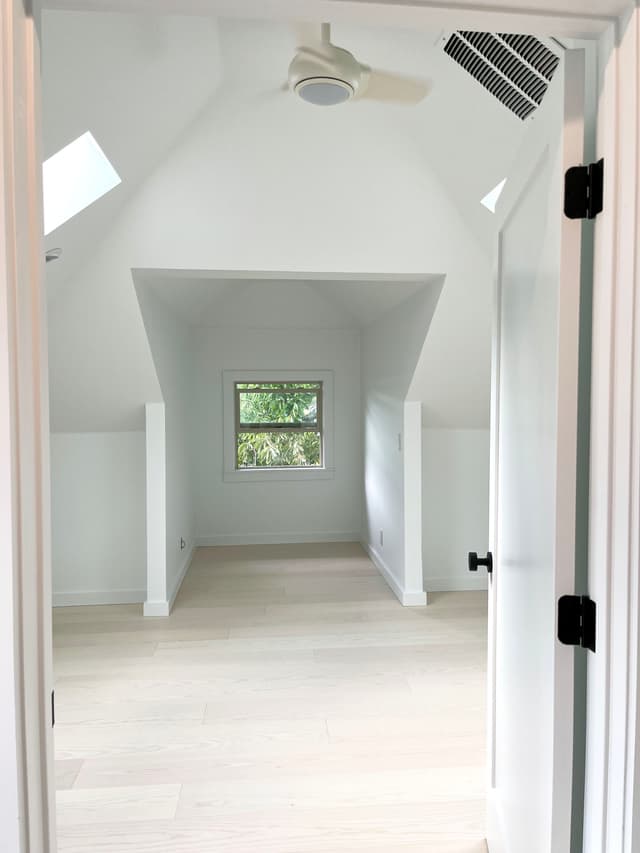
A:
{"x":325,"y":75}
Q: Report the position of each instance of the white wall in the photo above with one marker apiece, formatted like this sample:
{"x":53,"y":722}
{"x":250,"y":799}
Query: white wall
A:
{"x":391,"y":348}
{"x":313,"y":510}
{"x":98,"y":517}
{"x":455,"y":506}
{"x":171,"y":349}
{"x":239,"y":194}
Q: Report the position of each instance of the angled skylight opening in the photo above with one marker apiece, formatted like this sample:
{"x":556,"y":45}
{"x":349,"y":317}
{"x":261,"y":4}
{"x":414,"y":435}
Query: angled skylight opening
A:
{"x":74,"y":178}
{"x":490,"y":201}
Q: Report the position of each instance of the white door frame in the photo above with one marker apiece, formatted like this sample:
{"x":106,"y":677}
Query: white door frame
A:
{"x":612,"y":810}
{"x":26,"y":754}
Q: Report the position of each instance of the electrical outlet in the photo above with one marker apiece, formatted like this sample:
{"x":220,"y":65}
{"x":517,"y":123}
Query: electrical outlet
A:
{"x":382,"y":538}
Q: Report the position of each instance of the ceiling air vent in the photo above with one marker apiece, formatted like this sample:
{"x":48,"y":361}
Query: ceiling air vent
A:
{"x":516,"y":69}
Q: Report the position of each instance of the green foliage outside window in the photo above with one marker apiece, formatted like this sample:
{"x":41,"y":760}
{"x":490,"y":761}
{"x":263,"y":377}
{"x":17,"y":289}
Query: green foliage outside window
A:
{"x":281,"y":427}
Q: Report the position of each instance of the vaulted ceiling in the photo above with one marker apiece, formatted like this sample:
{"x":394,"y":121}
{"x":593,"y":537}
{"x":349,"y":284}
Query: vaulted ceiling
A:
{"x":138,"y":83}
{"x":223,"y":169}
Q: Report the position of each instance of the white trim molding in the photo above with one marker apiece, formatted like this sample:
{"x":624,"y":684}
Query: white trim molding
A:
{"x":94,"y":597}
{"x":155,"y":609}
{"x":181,"y":576}
{"x":293,"y":538}
{"x":456,"y":583}
{"x":406,"y":597}
{"x":612,"y":795}
{"x":27,"y":787}
{"x":163,"y":607}
{"x":432,"y":16}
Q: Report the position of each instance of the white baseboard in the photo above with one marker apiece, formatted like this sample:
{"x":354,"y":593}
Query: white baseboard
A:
{"x":408,"y":598}
{"x":496,"y":838}
{"x":156,"y":608}
{"x":99,"y":596}
{"x":164,"y":608}
{"x":181,"y":575}
{"x":456,"y":583}
{"x":276,"y":538}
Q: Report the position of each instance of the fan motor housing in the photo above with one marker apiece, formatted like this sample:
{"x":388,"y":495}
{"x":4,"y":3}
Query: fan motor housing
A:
{"x":325,"y":77}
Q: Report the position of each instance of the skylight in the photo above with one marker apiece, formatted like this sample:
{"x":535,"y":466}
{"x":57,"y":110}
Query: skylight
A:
{"x":74,"y":178}
{"x":491,"y":199}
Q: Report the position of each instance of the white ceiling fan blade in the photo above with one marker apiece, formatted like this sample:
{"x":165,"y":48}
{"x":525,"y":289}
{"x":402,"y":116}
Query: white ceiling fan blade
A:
{"x":393,"y":88}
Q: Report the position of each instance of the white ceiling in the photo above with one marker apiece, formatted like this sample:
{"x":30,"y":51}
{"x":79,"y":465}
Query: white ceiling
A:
{"x":142,"y":109}
{"x":136,"y":82}
{"x":570,"y":17}
{"x":282,"y":303}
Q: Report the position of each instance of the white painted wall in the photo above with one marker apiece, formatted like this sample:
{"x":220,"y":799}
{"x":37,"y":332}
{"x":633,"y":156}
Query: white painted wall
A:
{"x":170,"y":342}
{"x":239,"y":194}
{"x":311,"y":510}
{"x":455,"y":506}
{"x":98,"y":517}
{"x":391,"y":348}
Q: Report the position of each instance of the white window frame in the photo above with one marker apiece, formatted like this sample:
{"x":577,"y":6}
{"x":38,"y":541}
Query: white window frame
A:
{"x":232,"y":474}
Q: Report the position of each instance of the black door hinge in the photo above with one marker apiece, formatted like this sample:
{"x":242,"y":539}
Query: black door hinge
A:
{"x":583,"y":191}
{"x":577,"y":621}
{"x":53,"y":708}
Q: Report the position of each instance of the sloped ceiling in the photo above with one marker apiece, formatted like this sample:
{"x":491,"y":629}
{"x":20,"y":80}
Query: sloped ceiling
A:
{"x":234,"y":172}
{"x":287,"y":302}
{"x":136,"y":82}
{"x":461,"y":129}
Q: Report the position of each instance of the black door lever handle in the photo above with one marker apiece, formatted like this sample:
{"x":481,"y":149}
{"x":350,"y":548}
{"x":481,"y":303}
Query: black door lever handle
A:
{"x":475,"y":561}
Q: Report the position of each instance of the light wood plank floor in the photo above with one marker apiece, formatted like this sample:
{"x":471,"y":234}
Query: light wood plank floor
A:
{"x":288,"y":705}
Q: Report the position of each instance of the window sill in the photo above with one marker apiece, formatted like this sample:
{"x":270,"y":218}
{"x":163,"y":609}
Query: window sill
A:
{"x":270,"y":475}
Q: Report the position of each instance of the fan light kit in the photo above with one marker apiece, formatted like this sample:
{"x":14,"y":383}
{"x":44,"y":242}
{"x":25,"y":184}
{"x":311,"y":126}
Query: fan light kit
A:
{"x":324,"y":91}
{"x":325,"y":75}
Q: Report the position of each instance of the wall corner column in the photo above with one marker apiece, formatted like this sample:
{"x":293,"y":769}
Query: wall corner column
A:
{"x":157,"y":603}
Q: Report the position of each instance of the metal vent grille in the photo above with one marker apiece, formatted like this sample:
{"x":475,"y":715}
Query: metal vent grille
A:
{"x":516,"y":69}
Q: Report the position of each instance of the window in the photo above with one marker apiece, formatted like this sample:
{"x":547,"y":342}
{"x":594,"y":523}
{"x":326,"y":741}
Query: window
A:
{"x":278,"y":424}
{"x":74,"y":178}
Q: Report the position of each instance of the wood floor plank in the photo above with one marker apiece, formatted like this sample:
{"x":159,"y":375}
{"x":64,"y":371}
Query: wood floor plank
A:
{"x":289,"y":705}
{"x":116,"y":805}
{"x":88,"y":714}
{"x":67,"y":771}
{"x":436,"y":829}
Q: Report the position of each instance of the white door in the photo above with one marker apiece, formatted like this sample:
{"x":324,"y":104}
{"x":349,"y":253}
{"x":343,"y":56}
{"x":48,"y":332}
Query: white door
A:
{"x":534,"y":435}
